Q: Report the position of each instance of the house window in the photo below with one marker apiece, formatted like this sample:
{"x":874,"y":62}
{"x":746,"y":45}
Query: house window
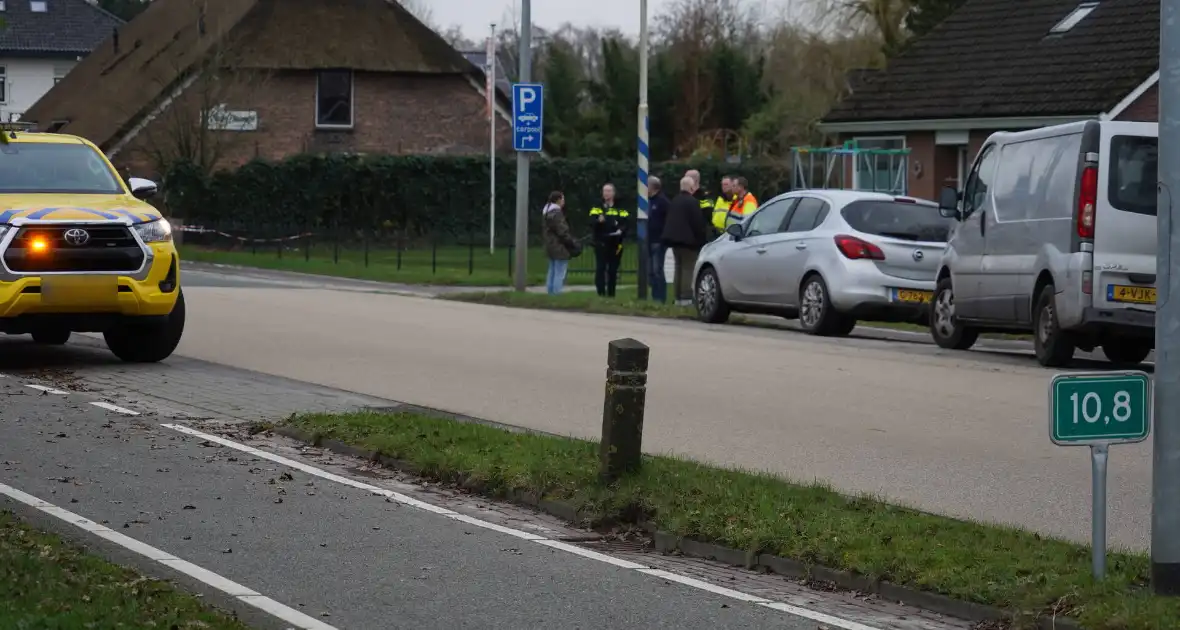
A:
{"x":3,"y":84}
{"x":333,"y":102}
{"x":1075,"y":16}
{"x":879,"y":171}
{"x":38,"y":6}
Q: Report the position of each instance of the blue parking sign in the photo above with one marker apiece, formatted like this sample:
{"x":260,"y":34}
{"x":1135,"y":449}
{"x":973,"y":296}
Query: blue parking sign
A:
{"x":528,"y":104}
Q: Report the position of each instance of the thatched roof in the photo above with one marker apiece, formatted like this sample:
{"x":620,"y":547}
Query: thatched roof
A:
{"x":140,"y":66}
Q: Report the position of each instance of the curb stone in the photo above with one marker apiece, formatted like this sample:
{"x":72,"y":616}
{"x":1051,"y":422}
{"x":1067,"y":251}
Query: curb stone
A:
{"x":751,"y":560}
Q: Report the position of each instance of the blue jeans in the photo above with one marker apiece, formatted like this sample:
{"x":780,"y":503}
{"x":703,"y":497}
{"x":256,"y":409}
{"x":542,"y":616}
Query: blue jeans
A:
{"x":659,"y":284}
{"x":555,"y":279}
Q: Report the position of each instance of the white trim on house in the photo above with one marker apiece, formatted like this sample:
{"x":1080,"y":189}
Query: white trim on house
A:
{"x":159,"y":109}
{"x":1130,"y":99}
{"x":351,"y":100}
{"x":948,"y":124}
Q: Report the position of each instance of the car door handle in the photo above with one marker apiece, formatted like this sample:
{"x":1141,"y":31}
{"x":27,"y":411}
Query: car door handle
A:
{"x":800,"y":245}
{"x":761,"y":250}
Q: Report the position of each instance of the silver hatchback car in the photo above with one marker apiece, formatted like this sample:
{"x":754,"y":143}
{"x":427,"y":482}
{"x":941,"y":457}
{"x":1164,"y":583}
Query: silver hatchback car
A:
{"x":828,"y":258}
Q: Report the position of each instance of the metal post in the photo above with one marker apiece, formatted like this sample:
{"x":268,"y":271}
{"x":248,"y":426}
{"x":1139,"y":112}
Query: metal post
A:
{"x":1165,"y":482}
{"x":1098,"y":458}
{"x":643,"y":155}
{"x":520,"y":279}
{"x":491,"y":88}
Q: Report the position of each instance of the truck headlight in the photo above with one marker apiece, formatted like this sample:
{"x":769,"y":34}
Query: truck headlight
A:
{"x":154,"y":231}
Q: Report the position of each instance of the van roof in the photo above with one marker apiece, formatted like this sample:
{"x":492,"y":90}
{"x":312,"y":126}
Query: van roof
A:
{"x":1147,"y":129}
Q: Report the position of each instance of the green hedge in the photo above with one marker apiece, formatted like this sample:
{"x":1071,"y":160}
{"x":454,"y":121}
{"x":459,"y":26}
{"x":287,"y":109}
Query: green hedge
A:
{"x":415,"y":195}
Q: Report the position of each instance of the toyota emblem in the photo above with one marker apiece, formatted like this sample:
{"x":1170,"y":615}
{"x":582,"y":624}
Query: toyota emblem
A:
{"x":918,"y":255}
{"x":77,"y":236}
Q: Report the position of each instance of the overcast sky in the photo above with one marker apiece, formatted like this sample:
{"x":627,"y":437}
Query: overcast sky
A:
{"x":475,"y":16}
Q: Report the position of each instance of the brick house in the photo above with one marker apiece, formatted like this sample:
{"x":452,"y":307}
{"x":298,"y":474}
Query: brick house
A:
{"x":998,"y":65}
{"x":225,"y":81}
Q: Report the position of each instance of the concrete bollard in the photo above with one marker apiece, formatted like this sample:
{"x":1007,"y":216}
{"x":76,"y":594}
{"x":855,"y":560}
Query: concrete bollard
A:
{"x":622,"y":414}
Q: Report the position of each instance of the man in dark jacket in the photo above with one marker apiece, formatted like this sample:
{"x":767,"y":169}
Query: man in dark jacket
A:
{"x":657,"y":214}
{"x":611,"y":225}
{"x":685,"y":232}
{"x":705,"y":199}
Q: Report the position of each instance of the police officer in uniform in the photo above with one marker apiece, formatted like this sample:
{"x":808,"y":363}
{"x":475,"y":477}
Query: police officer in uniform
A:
{"x":704,"y":199}
{"x":610,"y":225}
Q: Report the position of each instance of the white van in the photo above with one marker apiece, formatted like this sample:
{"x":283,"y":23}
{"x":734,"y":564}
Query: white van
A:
{"x":1056,"y":236}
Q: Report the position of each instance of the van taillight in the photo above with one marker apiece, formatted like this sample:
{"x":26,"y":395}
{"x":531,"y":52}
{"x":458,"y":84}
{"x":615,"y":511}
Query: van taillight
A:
{"x":1087,"y":202}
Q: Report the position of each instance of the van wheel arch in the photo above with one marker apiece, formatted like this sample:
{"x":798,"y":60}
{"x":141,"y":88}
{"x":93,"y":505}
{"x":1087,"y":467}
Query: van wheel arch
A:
{"x":1043,"y":280}
{"x":943,"y":273}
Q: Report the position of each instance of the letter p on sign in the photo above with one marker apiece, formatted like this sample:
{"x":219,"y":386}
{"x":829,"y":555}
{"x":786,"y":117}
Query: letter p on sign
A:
{"x":527,"y":95}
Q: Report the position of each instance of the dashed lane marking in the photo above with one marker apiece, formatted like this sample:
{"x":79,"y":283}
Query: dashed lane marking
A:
{"x":47,"y":390}
{"x":805,"y":613}
{"x":115,"y":408}
{"x":223,"y":584}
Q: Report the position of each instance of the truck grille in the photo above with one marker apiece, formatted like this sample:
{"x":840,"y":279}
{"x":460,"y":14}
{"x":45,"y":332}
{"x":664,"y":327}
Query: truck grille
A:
{"x":109,"y":248}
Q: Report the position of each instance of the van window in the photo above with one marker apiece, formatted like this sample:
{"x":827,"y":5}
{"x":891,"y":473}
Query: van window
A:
{"x":1036,"y":178}
{"x":895,"y":219}
{"x":980,"y":179}
{"x":1133,"y":178}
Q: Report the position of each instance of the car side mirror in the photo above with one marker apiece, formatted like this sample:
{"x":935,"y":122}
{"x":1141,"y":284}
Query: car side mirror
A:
{"x":142,"y":188}
{"x":735,"y":231}
{"x":948,"y":203}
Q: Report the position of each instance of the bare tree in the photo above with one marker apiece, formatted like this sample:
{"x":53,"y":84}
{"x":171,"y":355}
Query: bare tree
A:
{"x":202,"y":121}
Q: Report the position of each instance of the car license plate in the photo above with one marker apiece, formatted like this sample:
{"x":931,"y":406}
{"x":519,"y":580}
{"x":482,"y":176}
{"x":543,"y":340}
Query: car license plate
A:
{"x":91,"y":292}
{"x":1132,"y":295}
{"x":912,"y":296}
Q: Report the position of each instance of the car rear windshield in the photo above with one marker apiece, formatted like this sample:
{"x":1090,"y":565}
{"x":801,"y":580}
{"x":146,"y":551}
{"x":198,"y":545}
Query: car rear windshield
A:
{"x":1132,"y":185}
{"x":45,"y":167}
{"x":896,"y":219}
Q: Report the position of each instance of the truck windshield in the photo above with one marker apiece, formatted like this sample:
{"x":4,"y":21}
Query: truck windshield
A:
{"x":1132,"y":186}
{"x":50,"y":167}
{"x":895,"y":219}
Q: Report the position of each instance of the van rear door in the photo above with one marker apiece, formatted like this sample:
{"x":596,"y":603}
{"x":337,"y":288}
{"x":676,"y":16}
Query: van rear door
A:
{"x":1125,"y":217}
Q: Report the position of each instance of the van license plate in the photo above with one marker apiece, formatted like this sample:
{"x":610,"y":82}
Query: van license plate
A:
{"x":911,"y":296}
{"x":1132,"y":295}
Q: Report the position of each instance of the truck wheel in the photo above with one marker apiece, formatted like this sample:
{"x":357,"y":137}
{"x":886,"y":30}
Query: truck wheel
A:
{"x":1054,"y":347}
{"x":148,"y":343}
{"x":51,"y":336}
{"x":1128,"y":352}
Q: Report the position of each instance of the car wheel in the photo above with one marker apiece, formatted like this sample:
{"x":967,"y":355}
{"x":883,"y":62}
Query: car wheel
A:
{"x":817,"y":316}
{"x":711,"y":305}
{"x":948,"y":332}
{"x":148,"y":343}
{"x":1126,"y":352}
{"x":51,"y":336}
{"x":1054,"y":347}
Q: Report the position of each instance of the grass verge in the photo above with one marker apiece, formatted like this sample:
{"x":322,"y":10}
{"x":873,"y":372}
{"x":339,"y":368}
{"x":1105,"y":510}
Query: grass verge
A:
{"x":1014,"y":570}
{"x":46,"y":583}
{"x":453,"y":266}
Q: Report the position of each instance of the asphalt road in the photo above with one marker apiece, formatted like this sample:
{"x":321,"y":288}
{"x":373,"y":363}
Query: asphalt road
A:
{"x":958,"y":433}
{"x":341,"y":555}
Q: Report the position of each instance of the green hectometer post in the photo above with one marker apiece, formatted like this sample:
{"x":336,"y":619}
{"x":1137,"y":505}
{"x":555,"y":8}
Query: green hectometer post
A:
{"x":1100,"y":408}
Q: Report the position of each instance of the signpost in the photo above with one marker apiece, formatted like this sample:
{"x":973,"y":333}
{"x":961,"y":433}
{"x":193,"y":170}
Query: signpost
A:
{"x":528,"y":101}
{"x":1098,"y":409}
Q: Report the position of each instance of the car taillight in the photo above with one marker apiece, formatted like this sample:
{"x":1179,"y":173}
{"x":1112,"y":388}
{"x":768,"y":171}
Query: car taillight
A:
{"x":1087,"y":201}
{"x":857,"y":249}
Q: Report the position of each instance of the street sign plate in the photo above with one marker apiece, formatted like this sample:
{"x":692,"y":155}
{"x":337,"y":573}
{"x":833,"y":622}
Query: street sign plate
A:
{"x":528,"y":104}
{"x":1096,"y":408}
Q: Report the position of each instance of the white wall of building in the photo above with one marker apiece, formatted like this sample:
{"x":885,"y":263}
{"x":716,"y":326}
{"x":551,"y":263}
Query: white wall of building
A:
{"x":27,"y":80}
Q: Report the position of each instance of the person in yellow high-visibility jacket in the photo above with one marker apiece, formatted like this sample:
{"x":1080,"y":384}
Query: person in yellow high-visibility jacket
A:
{"x":722,"y":204}
{"x":744,"y":203}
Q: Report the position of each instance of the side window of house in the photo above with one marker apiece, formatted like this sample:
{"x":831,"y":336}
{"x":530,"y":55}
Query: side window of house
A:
{"x":3,"y":84}
{"x":979,"y":182}
{"x":333,"y":103}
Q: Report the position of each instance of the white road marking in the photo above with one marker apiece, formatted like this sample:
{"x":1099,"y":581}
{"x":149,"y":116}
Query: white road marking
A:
{"x":115,"y":408}
{"x":47,"y":390}
{"x":834,"y":622}
{"x":225,"y":585}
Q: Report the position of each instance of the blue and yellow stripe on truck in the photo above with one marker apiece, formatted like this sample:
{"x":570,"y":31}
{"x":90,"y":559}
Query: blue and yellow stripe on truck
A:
{"x":47,"y":214}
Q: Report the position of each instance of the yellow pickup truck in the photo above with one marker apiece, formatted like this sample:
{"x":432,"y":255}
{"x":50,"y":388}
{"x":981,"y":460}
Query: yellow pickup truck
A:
{"x":81,"y":251}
